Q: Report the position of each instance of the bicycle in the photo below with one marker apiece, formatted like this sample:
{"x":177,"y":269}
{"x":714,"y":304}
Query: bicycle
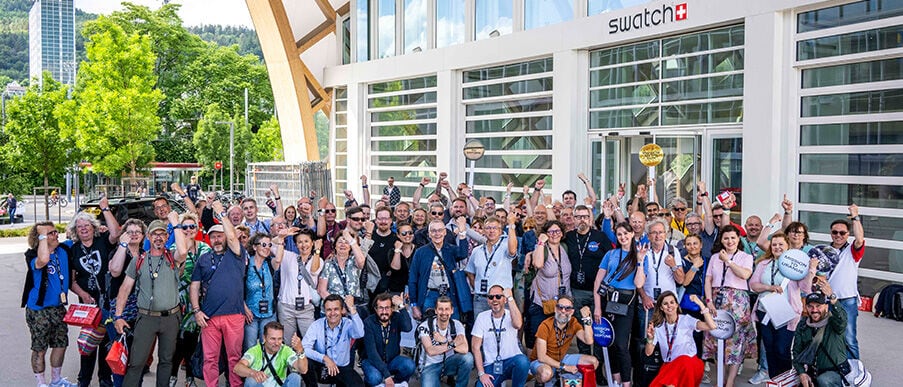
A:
{"x":54,"y":200}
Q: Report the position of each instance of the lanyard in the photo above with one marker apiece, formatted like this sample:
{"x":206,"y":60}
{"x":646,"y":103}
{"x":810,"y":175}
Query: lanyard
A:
{"x":302,"y":266}
{"x":386,"y":329}
{"x":55,"y":263}
{"x":490,"y":257}
{"x":560,"y":336}
{"x":682,"y":227}
{"x":581,"y":249}
{"x":154,"y":272}
{"x":215,"y":261}
{"x":338,"y":336}
{"x":498,"y":335}
{"x":260,"y":276}
{"x":724,"y":269}
{"x":774,"y":270}
{"x":671,"y":337}
{"x":617,"y":268}
{"x":341,"y":274}
{"x":658,"y":265}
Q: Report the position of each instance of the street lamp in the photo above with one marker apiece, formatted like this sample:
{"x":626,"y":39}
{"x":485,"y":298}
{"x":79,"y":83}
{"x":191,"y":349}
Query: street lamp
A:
{"x":231,"y":153}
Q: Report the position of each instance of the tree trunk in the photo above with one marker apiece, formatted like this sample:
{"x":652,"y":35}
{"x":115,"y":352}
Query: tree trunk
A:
{"x":46,"y":196}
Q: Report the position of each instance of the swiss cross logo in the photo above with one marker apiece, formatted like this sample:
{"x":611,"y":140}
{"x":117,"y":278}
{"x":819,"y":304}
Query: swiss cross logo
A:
{"x":680,"y":12}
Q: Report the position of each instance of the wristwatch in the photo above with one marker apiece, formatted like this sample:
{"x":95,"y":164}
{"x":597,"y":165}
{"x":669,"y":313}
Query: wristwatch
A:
{"x":42,"y":237}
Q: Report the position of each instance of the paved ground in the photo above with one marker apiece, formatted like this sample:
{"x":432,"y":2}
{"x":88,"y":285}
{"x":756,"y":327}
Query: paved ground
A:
{"x":880,"y":339}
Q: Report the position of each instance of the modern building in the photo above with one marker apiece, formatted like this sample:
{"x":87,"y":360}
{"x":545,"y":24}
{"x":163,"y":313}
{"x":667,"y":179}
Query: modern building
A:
{"x":51,"y":40}
{"x":10,"y":92}
{"x":762,"y":98}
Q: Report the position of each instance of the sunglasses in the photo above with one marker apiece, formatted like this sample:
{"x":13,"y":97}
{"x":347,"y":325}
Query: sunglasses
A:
{"x":566,"y":308}
{"x":681,"y":209}
{"x":520,"y":216}
{"x":836,"y":232}
{"x":495,"y":296}
{"x":356,"y":219}
{"x":189,"y":226}
{"x":264,"y":244}
{"x":554,"y":232}
{"x":406,"y":233}
{"x":437,"y":213}
{"x":329,"y":210}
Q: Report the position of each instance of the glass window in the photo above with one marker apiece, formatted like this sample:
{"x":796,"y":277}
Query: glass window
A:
{"x":403,"y":100}
{"x":404,"y":145}
{"x":846,"y":74}
{"x":407,"y":161}
{"x":852,"y":164}
{"x":858,"y":133}
{"x":517,"y":143}
{"x":538,"y":13}
{"x":509,"y":88}
{"x":507,"y":107}
{"x":638,"y":72}
{"x":846,"y":14}
{"x":866,"y":195}
{"x":510,"y":125}
{"x":874,"y":226}
{"x":704,"y":64}
{"x":414,"y":25}
{"x":403,"y":130}
{"x":627,"y":95}
{"x":403,"y":177}
{"x":403,"y":84}
{"x":493,"y":18}
{"x":703,"y":41}
{"x":729,"y":111}
{"x":449,"y":22}
{"x":346,"y":41}
{"x":700,"y":88}
{"x":727,"y":169}
{"x":362,"y":41}
{"x":386,"y":28}
{"x":626,"y":118}
{"x":880,"y":101}
{"x":595,"y":7}
{"x":618,"y":55}
{"x":403,"y":115}
{"x":510,"y":70}
{"x":852,"y":43}
{"x":515,"y":161}
{"x":502,"y":179}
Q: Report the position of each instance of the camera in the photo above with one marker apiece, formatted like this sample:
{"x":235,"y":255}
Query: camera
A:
{"x":605,"y":289}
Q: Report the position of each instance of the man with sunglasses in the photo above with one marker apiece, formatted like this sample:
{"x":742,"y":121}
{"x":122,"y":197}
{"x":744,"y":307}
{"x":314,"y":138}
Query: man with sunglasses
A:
{"x":844,"y":278}
{"x":549,"y":357}
{"x":496,"y":349}
{"x":436,"y":214}
{"x":490,"y":264}
{"x":327,"y":227}
{"x":679,"y":211}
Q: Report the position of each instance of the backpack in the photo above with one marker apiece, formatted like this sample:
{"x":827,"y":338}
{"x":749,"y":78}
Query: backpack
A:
{"x":419,"y":354}
{"x":890,"y":302}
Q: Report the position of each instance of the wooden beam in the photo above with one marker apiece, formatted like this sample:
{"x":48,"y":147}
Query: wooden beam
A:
{"x":315,"y":35}
{"x":343,"y":10}
{"x":327,"y":10}
{"x":312,"y":84}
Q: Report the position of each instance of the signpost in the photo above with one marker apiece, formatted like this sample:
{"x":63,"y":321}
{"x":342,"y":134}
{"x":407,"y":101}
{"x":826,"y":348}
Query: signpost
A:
{"x":725,"y":326}
{"x":651,"y":155}
{"x":473,"y":151}
{"x":604,"y":336}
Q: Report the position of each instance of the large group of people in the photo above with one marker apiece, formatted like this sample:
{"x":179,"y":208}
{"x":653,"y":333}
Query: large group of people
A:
{"x":472,"y":286}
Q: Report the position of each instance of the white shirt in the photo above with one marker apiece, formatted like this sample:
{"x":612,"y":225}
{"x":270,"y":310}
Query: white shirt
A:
{"x":288,"y":270}
{"x":424,"y":330}
{"x":655,"y":261}
{"x":845,"y":275}
{"x":496,"y":272}
{"x":681,"y":341}
{"x":504,"y":342}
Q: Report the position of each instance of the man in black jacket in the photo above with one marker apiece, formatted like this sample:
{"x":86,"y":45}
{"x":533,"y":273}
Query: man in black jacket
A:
{"x":382,"y":342}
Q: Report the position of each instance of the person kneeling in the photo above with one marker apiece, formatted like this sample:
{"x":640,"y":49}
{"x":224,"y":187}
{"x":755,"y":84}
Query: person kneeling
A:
{"x":554,"y":337}
{"x":503,"y":357}
{"x":445,"y":349}
{"x":674,"y":334}
{"x":384,"y":365}
{"x":270,"y":364}
{"x":328,"y":343}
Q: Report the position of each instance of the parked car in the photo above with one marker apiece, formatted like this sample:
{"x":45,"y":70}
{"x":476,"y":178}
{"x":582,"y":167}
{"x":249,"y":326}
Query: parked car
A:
{"x":129,"y":207}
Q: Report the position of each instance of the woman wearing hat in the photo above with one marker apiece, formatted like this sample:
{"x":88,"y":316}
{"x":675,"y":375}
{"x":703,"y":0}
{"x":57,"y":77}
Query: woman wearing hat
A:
{"x":767,"y":279}
{"x":673,"y":332}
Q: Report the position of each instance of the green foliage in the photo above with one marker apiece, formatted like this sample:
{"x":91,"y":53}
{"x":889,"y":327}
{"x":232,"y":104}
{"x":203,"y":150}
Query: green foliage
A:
{"x":212,"y":141}
{"x":245,"y":38}
{"x":267,"y":142}
{"x":113,"y":117}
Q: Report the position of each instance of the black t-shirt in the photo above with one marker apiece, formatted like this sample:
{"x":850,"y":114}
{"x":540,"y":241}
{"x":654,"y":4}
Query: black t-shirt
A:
{"x":382,"y":246}
{"x":90,"y":264}
{"x":398,"y":279}
{"x":116,"y":282}
{"x":585,"y":253}
{"x":193,"y":190}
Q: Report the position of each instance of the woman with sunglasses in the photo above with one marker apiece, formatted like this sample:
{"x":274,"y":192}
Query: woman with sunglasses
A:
{"x":766,"y":280}
{"x":673,"y":332}
{"x":726,"y":288}
{"x":259,"y":281}
{"x":299,"y":273}
{"x":694,"y":265}
{"x":400,"y":259}
{"x":188,"y":330}
{"x":553,"y":273}
{"x":619,"y":272}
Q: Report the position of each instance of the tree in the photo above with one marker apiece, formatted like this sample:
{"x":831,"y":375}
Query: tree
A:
{"x":115,"y":104}
{"x":212,"y":141}
{"x":267,"y":143}
{"x":35,"y":141}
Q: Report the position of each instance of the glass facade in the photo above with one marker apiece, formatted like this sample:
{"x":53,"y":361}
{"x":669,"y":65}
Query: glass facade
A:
{"x":385,"y":27}
{"x":449,"y":23}
{"x":414,"y":25}
{"x":493,"y":18}
{"x":595,"y":7}
{"x":52,"y":40}
{"x":339,"y":142}
{"x":513,"y":120}
{"x":539,"y":13}
{"x":683,"y":80}
{"x":850,"y":140}
{"x":403,"y":141}
{"x":362,"y":40}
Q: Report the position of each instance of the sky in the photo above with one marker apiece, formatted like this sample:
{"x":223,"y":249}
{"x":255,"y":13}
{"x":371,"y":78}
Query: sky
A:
{"x":193,"y":12}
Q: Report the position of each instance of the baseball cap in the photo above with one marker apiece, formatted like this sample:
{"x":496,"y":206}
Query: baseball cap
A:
{"x":156,"y":225}
{"x":817,"y":297}
{"x":216,"y":228}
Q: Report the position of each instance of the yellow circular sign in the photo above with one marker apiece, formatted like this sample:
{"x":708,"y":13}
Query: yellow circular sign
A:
{"x":651,"y":155}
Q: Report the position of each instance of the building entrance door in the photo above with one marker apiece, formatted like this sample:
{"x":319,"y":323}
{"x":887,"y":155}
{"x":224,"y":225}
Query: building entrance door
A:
{"x":615,"y":160}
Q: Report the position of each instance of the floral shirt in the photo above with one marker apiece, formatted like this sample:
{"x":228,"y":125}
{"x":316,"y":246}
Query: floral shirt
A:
{"x":188,"y":324}
{"x":341,"y":282}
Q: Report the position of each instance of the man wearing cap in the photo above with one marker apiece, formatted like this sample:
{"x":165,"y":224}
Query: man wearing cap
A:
{"x":824,"y":315}
{"x":156,"y":274}
{"x":216,"y":300}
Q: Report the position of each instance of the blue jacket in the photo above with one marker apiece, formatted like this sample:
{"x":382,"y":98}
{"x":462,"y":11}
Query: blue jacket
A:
{"x":378,"y":352}
{"x":419,"y":275}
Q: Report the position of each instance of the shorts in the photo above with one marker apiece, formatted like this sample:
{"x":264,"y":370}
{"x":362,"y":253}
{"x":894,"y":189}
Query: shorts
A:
{"x":570,"y":359}
{"x":47,"y":328}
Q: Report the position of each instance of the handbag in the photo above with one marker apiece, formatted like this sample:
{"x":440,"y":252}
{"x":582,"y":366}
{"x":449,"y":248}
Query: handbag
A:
{"x":89,"y":338}
{"x":858,"y":375}
{"x":548,"y":306}
{"x":614,"y":305}
{"x":118,"y":357}
{"x":83,"y":315}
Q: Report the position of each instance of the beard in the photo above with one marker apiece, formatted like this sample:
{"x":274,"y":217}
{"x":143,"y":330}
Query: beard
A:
{"x":562,"y":319}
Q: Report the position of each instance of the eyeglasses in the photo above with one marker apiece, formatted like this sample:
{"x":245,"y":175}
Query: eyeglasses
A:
{"x":679,"y":209}
{"x":694,"y":223}
{"x":491,"y":228}
{"x":329,"y":210}
{"x":566,"y":308}
{"x":797,"y":231}
{"x":582,"y":216}
{"x":406,"y":233}
{"x":133,"y":232}
{"x":495,"y":296}
{"x":437,"y":213}
{"x":553,"y":232}
{"x":436,"y":231}
{"x":356,"y":219}
{"x":264,"y":244}
{"x":717,"y":215}
{"x":838,"y":232}
{"x":190,"y":226}
{"x":54,"y":232}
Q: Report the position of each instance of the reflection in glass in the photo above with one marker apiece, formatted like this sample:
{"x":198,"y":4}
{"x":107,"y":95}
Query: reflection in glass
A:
{"x":493,"y":18}
{"x":346,"y":41}
{"x":727,"y":168}
{"x":701,"y":113}
{"x":362,"y":40}
{"x":704,"y":41}
{"x":853,"y":164}
{"x":879,"y":101}
{"x":700,"y":88}
{"x":510,"y":125}
{"x":506,"y":107}
{"x":846,"y":14}
{"x":403,"y":130}
{"x":515,"y":161}
{"x":637,"y":72}
{"x":414,"y":25}
{"x":627,"y":95}
{"x":852,"y":43}
{"x":866,"y":195}
{"x":595,"y":7}
{"x":509,"y":88}
{"x":449,"y":22}
{"x":386,"y":29}
{"x":846,"y":74}
{"x":857,"y":133}
{"x":404,"y":146}
{"x":512,"y":70}
{"x":879,"y":227}
{"x":625,"y":118}
{"x":538,"y":13}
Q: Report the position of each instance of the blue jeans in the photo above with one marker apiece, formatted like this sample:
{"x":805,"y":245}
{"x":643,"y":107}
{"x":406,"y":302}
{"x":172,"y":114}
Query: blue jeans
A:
{"x":12,"y":215}
{"x":458,"y":365}
{"x":777,"y":343}
{"x":292,"y":380}
{"x":515,"y":368}
{"x":400,"y":367}
{"x":254,"y":332}
{"x":829,"y":379}
{"x":851,"y":306}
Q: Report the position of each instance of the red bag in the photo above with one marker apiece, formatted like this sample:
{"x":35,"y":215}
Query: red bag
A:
{"x":118,"y":357}
{"x":83,"y":315}
{"x":589,"y":374}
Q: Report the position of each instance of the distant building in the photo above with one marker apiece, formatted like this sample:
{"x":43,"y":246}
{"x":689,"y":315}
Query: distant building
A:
{"x":51,"y":40}
{"x":12,"y":90}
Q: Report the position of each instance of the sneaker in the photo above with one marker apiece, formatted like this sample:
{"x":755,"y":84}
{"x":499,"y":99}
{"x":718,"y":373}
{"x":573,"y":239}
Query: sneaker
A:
{"x":63,"y":383}
{"x":759,"y":377}
{"x":706,"y":379}
{"x":189,"y":382}
{"x":172,"y":381}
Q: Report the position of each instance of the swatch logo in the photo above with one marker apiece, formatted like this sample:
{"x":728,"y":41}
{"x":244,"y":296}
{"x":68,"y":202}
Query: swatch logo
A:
{"x":648,"y":18}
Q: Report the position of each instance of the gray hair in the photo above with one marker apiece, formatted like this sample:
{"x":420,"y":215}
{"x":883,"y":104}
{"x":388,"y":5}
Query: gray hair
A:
{"x":693,"y":214}
{"x":70,"y":229}
{"x":656,"y":221}
{"x":678,"y":200}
